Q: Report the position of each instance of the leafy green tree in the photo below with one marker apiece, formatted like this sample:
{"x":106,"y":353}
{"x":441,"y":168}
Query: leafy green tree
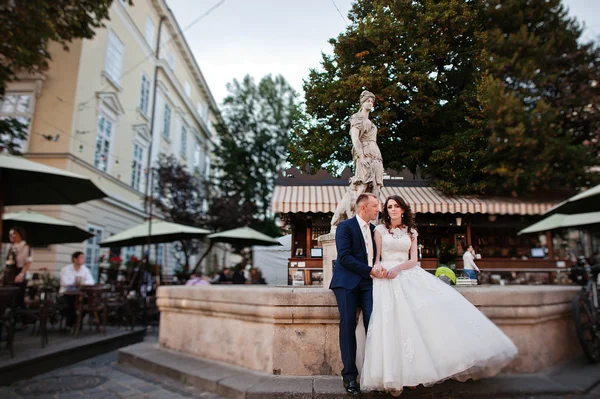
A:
{"x":494,"y":96}
{"x":420,"y":58}
{"x":254,"y":139}
{"x":12,"y":134}
{"x":26,"y":29}
{"x":182,"y":197}
{"x":178,"y":195}
{"x":541,"y":108}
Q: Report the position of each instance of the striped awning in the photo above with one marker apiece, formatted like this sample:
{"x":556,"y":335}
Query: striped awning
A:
{"x":324,"y":199}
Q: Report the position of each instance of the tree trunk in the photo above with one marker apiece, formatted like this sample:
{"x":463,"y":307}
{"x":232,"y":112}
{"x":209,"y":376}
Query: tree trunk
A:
{"x":202,"y":258}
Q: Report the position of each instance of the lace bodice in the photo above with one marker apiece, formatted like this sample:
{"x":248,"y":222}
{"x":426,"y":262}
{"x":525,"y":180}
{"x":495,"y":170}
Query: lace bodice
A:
{"x":395,"y":246}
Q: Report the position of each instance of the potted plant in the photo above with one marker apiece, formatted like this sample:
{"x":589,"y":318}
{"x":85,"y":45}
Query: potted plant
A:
{"x":114,"y":264}
{"x":48,"y":280}
{"x":132,"y":263}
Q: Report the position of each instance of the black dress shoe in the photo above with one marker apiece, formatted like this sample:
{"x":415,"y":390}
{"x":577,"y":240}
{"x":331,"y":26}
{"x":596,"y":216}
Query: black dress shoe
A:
{"x":352,"y":388}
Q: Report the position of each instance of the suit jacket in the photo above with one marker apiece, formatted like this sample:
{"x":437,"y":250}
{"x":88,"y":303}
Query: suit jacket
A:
{"x":352,"y":265}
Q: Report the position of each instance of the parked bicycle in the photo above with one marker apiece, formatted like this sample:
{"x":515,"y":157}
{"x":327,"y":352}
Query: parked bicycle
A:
{"x":586,"y":311}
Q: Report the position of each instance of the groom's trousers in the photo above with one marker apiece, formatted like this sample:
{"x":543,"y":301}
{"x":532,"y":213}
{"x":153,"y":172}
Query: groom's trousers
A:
{"x":348,"y":301}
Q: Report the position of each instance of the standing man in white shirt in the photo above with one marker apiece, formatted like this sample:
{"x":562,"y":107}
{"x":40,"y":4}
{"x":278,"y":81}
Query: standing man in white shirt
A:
{"x":470,"y":268}
{"x":77,"y":273}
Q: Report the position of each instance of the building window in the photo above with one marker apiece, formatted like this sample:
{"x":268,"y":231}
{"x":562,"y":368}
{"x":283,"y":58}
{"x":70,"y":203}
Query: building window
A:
{"x":171,"y":60}
{"x":202,"y":111}
{"x":160,"y":254}
{"x":206,"y":167}
{"x":129,"y":253}
{"x":92,"y":250}
{"x":167,"y":121}
{"x":183,"y":150}
{"x":20,"y":107}
{"x":145,"y":94}
{"x":113,"y":64}
{"x":103,"y":139}
{"x":188,"y":89}
{"x":150,"y":32}
{"x":137,"y":166}
{"x":197,"y":155}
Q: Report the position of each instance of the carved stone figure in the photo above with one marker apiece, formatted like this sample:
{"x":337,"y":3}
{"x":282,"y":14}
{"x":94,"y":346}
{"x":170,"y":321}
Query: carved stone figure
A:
{"x":345,"y":209}
{"x":368,"y":163}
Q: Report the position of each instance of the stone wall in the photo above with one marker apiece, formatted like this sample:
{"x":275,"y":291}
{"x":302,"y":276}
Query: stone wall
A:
{"x":294,"y":330}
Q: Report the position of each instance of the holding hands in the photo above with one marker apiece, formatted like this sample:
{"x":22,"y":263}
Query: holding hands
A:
{"x":378,"y":271}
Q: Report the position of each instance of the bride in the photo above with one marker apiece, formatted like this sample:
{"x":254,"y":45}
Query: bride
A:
{"x":422,"y":331}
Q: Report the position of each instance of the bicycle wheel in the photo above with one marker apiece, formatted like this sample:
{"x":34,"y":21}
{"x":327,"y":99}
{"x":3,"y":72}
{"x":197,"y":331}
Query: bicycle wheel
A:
{"x":585,"y":324}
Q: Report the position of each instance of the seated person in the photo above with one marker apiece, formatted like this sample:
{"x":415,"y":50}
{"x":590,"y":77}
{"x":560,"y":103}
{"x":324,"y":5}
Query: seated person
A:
{"x":72,"y":275}
{"x":198,"y":280}
{"x":76,"y":273}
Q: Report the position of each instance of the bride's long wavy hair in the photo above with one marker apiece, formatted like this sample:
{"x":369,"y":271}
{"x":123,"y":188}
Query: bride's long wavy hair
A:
{"x":408,"y":218}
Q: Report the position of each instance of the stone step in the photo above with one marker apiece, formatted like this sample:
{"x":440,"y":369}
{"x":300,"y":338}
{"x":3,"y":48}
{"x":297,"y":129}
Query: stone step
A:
{"x":239,"y":383}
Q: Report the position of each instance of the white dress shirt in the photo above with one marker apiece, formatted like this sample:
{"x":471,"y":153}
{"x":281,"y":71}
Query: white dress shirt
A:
{"x":68,"y":274}
{"x":469,"y":262}
{"x":366,"y":231}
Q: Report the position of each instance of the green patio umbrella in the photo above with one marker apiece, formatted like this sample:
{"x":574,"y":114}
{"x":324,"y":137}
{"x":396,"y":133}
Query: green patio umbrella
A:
{"x":43,"y":230}
{"x":24,"y":182}
{"x":584,"y":202}
{"x":159,"y":231}
{"x":559,"y":220}
{"x":243,"y":236}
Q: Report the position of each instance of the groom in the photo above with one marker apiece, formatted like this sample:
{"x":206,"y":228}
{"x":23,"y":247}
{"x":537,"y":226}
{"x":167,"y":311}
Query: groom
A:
{"x":352,"y":282}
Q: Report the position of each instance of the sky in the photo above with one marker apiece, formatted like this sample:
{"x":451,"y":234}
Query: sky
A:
{"x":287,"y":37}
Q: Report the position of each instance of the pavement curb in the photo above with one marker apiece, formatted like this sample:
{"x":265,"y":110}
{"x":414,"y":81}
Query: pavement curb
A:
{"x":62,"y":355}
{"x":238,"y":383}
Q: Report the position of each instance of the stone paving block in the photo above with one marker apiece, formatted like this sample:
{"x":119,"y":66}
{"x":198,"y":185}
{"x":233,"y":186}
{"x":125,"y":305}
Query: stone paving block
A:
{"x":208,"y":378}
{"x":595,"y":390}
{"x":8,"y":394}
{"x":147,"y":387}
{"x":162,"y":394}
{"x":329,"y":387}
{"x":104,"y":395}
{"x":282,"y":388}
{"x":498,"y":386}
{"x":579,"y":375}
{"x":153,"y":359}
{"x":71,"y":395}
{"x":235,"y":387}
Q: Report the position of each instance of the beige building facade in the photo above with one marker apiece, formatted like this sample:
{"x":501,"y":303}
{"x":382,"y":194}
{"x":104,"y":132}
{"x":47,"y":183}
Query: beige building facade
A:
{"x":92,"y":112}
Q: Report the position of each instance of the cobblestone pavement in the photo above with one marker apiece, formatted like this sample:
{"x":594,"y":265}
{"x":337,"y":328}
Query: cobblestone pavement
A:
{"x":101,"y":378}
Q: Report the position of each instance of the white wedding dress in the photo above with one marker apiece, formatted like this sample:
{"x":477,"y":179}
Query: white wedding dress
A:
{"x":423,"y":331}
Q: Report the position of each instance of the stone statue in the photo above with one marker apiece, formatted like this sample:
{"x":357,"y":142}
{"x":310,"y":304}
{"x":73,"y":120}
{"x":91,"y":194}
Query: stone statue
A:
{"x":345,"y":209}
{"x":368,"y":163}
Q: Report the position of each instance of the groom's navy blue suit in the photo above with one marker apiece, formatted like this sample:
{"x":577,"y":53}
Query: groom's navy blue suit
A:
{"x":353,"y":288}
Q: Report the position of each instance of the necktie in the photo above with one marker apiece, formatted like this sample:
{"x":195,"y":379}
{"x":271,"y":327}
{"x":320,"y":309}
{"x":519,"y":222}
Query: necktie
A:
{"x":369,"y":243}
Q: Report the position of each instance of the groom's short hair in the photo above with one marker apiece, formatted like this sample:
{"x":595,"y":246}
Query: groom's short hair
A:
{"x":364,"y":197}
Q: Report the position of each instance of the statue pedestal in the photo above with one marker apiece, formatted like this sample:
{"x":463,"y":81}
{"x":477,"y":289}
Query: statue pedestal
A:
{"x":329,"y":256}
